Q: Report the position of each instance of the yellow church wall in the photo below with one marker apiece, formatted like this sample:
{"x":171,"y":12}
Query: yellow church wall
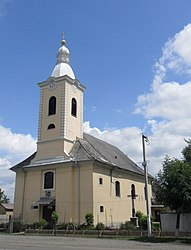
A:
{"x":73,"y":200}
{"x":33,"y":187}
{"x":30,"y":182}
{"x":75,"y":129}
{"x":72,"y":191}
{"x":19,"y":188}
{"x":49,"y":119}
{"x":47,"y":150}
{"x":116,"y":209}
{"x":77,"y":191}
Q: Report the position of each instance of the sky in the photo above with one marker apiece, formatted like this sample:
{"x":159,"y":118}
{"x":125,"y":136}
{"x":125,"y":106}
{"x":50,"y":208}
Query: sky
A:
{"x":133,"y":56}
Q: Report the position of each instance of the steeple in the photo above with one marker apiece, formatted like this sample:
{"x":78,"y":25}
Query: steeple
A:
{"x":63,"y":62}
{"x":61,"y":110}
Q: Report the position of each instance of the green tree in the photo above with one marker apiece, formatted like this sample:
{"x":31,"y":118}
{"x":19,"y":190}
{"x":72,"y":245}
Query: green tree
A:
{"x":186,"y":152}
{"x":3,"y":197}
{"x":173,"y":185}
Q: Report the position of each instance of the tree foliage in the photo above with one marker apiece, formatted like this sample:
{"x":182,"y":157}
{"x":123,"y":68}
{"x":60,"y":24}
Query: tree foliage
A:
{"x":3,"y":197}
{"x":173,"y":183}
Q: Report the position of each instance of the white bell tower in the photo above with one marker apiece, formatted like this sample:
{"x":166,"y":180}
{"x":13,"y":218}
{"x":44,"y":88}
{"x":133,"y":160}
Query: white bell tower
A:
{"x":61,"y":110}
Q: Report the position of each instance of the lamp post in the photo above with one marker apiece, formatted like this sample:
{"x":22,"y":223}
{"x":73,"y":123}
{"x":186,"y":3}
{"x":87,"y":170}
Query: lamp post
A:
{"x":144,"y":164}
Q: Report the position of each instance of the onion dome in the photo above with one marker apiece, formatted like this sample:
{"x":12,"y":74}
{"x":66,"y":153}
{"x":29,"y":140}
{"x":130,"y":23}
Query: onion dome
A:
{"x":63,"y":62}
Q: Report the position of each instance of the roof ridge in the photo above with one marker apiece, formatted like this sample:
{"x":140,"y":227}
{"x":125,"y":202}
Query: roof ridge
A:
{"x":89,"y":153}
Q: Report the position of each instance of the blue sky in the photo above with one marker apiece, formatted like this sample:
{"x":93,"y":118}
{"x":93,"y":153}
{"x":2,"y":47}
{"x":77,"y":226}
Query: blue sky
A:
{"x":134,"y":57}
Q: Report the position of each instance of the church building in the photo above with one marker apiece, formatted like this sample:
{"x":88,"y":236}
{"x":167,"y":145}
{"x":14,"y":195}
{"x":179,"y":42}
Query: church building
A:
{"x":74,"y":173}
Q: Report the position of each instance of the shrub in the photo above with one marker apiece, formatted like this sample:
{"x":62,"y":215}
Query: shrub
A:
{"x":156,"y":226}
{"x":42,"y":223}
{"x":142,"y":220}
{"x":62,"y":226}
{"x":55,"y":217}
{"x":35,"y":225}
{"x":70,"y":226}
{"x":17,"y":226}
{"x":127,"y":225}
{"x":100,"y":226}
{"x":89,"y":220}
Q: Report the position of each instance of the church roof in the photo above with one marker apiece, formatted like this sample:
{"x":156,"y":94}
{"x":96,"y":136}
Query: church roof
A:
{"x":91,"y":148}
{"x":7,"y":206}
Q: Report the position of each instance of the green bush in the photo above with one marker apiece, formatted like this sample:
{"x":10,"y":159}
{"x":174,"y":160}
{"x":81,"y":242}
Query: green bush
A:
{"x":89,"y":220}
{"x":127,"y":225}
{"x":70,"y":226}
{"x":100,"y":226}
{"x":55,"y":217}
{"x":142,"y":220}
{"x":35,"y":225}
{"x":156,"y":226}
{"x":17,"y":226}
{"x":62,"y":226}
{"x":42,"y":224}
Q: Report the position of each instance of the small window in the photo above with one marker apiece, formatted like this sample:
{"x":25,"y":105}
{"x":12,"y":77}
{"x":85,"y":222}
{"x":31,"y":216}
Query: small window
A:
{"x":74,"y":107}
{"x":100,"y":181}
{"x":52,"y":106}
{"x":51,"y":126}
{"x":117,"y":189}
{"x":48,"y":180}
{"x":101,"y":209}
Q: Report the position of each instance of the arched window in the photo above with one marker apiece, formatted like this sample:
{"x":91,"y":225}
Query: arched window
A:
{"x":51,"y":126}
{"x":49,"y":180}
{"x":100,"y":181}
{"x":52,"y":106}
{"x":101,"y":209}
{"x":74,"y":107}
{"x":117,"y":189}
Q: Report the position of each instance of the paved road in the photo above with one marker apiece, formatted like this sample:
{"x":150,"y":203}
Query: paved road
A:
{"x":13,"y":242}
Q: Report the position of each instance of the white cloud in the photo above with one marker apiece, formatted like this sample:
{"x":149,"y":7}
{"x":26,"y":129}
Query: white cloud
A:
{"x":16,"y":143}
{"x":167,"y":105}
{"x":13,"y":148}
{"x":169,"y":100}
{"x":127,"y":139}
{"x":166,"y":138}
{"x":7,"y":179}
{"x":166,"y":108}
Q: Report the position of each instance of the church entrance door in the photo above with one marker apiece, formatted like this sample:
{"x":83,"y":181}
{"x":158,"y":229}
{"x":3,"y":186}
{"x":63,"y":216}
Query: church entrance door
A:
{"x":47,"y":212}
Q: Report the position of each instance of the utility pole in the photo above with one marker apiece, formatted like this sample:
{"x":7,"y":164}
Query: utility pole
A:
{"x":144,"y":164}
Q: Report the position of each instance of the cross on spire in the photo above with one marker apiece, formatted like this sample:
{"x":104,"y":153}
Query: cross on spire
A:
{"x":63,"y":40}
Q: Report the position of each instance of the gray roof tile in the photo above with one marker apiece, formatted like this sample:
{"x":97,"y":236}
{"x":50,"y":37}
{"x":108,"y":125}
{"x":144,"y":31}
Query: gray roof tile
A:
{"x":92,"y":148}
